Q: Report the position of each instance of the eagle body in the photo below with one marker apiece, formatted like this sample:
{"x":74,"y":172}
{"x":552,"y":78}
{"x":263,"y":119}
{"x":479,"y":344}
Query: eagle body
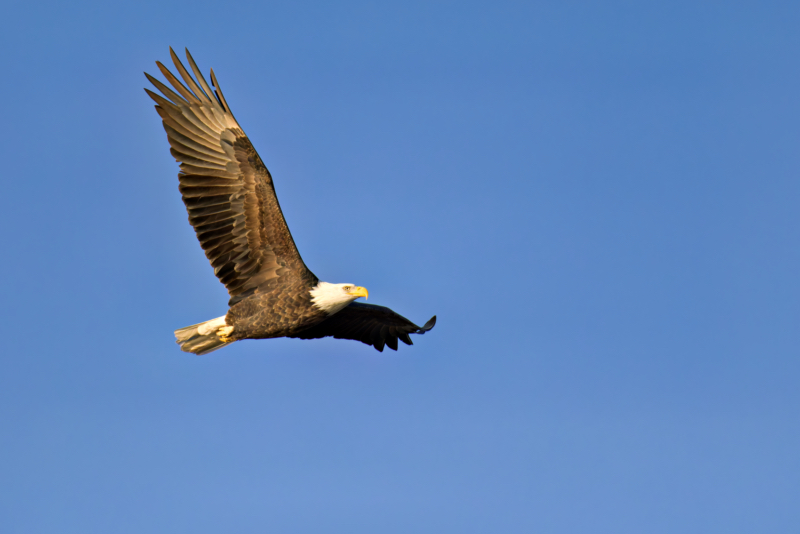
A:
{"x":231,"y":202}
{"x":278,"y":313}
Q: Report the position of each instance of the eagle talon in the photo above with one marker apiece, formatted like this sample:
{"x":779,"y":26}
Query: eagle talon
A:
{"x":223,"y":334}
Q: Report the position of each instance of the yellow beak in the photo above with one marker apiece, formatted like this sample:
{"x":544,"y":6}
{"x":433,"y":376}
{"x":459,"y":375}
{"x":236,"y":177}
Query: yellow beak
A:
{"x":359,"y":292}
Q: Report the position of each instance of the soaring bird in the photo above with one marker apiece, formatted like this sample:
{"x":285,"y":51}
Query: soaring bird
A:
{"x":233,"y":208}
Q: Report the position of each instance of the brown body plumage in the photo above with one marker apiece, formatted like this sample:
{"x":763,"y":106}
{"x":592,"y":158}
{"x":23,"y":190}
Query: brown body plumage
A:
{"x":231,"y":202}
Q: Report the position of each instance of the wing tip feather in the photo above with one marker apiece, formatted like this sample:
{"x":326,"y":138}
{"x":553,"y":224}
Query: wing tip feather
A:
{"x":428,"y":326}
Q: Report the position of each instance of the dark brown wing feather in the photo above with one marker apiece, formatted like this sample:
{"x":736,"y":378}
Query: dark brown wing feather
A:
{"x":228,"y":191}
{"x":367,"y":323}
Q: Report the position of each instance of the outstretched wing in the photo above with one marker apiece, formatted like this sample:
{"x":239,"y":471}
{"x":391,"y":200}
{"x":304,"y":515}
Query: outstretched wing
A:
{"x":367,"y":323}
{"x":227,"y":190}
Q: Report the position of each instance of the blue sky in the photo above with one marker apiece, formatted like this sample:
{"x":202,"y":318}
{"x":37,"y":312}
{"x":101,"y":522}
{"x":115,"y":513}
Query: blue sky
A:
{"x":598,"y":200}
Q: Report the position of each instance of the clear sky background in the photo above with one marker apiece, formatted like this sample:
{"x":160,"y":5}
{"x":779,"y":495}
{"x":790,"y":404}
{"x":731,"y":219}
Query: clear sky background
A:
{"x":599,"y":200}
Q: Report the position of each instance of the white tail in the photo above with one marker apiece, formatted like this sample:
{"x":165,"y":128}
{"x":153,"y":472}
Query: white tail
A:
{"x":201,"y":338}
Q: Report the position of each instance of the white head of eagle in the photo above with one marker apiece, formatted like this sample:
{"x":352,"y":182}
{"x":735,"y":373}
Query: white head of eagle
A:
{"x":331,"y":298}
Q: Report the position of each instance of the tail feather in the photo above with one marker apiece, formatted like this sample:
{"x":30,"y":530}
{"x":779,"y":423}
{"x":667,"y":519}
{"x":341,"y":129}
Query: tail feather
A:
{"x":201,"y":338}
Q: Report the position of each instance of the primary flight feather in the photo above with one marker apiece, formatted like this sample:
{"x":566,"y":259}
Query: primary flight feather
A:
{"x":235,"y":213}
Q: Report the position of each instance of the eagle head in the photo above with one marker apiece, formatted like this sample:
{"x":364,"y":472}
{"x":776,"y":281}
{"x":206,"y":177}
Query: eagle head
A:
{"x":331,"y":298}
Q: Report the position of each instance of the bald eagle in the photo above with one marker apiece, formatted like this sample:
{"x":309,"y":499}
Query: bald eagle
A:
{"x":234,"y":211}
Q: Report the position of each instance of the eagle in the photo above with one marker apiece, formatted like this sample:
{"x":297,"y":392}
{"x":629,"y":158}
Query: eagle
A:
{"x":232,"y":206}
